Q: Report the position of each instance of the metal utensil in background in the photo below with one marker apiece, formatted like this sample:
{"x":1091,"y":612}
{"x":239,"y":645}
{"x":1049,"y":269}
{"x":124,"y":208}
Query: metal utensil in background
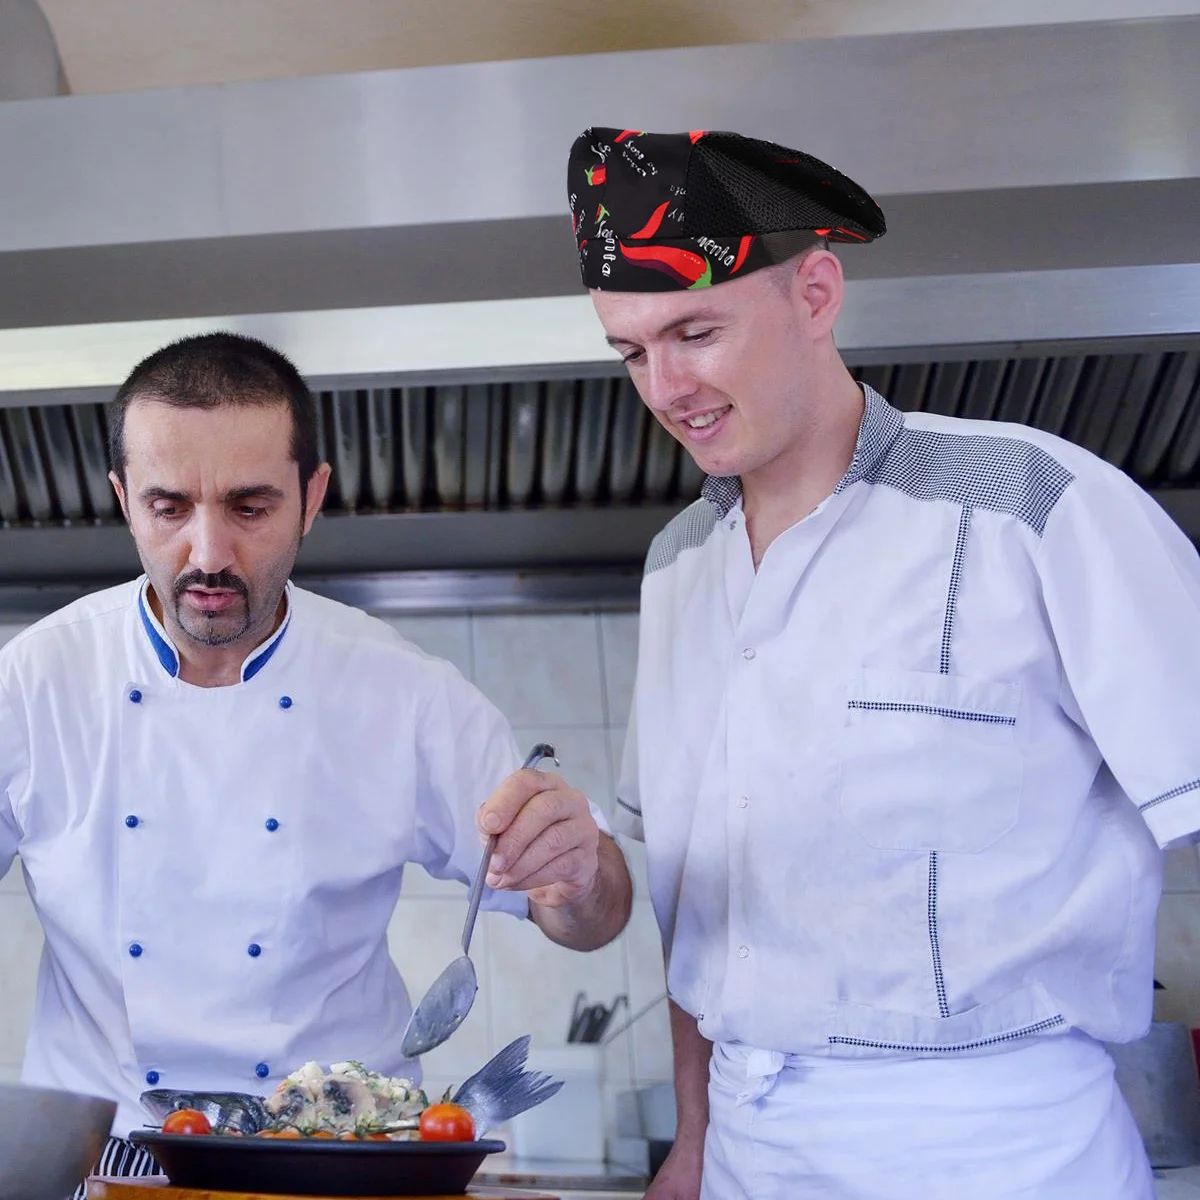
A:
{"x":579,"y":1012}
{"x":590,"y":1021}
{"x":598,"y":1032}
{"x":445,"y":1006}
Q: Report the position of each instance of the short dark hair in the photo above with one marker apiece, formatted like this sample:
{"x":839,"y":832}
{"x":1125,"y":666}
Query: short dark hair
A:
{"x":211,"y":370}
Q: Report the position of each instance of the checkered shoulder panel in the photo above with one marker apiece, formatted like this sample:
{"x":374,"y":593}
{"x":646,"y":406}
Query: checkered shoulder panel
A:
{"x":685,"y":532}
{"x":1001,"y":474}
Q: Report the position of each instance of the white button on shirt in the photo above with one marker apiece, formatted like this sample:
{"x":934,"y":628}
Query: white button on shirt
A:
{"x":974,"y":709}
{"x":215,"y":868}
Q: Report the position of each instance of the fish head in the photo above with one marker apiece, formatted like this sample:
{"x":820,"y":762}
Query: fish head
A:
{"x":237,"y":1112}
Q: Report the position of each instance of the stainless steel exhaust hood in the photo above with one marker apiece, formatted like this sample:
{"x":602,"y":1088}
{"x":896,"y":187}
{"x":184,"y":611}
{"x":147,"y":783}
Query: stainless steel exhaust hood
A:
{"x":402,"y":235}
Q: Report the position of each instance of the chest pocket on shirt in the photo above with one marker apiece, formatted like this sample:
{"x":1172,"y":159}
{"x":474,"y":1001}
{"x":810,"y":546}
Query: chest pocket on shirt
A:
{"x":930,"y":762}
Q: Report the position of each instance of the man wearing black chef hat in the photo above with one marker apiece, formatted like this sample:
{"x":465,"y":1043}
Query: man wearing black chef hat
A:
{"x":915,"y":711}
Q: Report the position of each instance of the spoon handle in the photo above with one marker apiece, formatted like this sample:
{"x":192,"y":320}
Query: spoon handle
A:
{"x":477,"y":893}
{"x":540,"y":751}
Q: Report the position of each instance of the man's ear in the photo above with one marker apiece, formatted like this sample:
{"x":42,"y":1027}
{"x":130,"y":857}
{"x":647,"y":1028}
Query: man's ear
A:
{"x":819,"y":291}
{"x":119,"y":488}
{"x":314,"y":494}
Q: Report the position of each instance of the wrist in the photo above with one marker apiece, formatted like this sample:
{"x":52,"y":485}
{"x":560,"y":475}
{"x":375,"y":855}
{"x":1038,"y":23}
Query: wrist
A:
{"x":690,"y":1133}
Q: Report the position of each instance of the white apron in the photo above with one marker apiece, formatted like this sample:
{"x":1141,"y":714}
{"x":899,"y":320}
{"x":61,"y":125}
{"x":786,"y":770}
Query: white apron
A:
{"x":1042,"y":1122}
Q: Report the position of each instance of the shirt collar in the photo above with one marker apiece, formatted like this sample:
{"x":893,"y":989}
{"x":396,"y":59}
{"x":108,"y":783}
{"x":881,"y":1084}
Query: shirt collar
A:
{"x":168,"y":656}
{"x":881,"y":424}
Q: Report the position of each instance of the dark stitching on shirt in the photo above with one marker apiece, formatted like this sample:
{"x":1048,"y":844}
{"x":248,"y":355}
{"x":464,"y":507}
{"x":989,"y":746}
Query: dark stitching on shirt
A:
{"x":960,"y":550}
{"x":911,"y":1048}
{"x":957,"y":714}
{"x":687,"y":531}
{"x":637,"y":812}
{"x":722,"y":492}
{"x":1181,"y":790}
{"x":999,"y":474}
{"x":939,"y":981}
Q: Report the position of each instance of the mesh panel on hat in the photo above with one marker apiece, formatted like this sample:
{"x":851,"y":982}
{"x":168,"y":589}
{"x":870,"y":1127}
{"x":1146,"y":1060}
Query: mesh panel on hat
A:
{"x":747,"y":189}
{"x":779,"y":247}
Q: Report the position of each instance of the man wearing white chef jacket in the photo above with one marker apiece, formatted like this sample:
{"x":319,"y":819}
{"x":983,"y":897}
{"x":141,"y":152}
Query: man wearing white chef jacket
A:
{"x":917,"y":703}
{"x":214,"y":778}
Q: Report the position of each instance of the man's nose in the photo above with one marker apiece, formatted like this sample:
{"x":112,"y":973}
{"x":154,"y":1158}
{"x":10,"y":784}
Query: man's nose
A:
{"x":212,"y":543}
{"x":665,"y":382}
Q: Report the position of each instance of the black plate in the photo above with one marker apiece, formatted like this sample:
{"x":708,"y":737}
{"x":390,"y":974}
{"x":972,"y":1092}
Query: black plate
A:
{"x":316,"y":1166}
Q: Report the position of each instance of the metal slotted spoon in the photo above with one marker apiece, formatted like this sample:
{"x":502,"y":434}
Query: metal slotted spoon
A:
{"x":449,"y":999}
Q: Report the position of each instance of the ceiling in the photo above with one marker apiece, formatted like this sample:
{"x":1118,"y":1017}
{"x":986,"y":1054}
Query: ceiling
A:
{"x":126,"y":45}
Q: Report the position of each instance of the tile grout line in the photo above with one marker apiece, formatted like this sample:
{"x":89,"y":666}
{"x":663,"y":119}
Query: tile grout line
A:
{"x":471,"y":643}
{"x":604,"y":708}
{"x":627,"y":966}
{"x":610,"y":775}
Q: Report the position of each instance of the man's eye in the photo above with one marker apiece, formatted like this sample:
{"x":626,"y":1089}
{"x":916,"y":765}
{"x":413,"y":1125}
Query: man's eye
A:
{"x":633,"y":357}
{"x":698,"y":336}
{"x":250,"y":512}
{"x":165,"y":511}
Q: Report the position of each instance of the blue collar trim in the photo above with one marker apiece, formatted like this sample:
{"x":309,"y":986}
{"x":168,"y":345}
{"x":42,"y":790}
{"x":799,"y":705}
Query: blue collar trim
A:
{"x":158,"y":640}
{"x":262,"y":655}
{"x":169,"y":657}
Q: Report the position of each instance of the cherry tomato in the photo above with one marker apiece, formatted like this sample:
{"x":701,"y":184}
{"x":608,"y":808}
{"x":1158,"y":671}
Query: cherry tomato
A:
{"x":186,"y":1120}
{"x":446,"y":1123}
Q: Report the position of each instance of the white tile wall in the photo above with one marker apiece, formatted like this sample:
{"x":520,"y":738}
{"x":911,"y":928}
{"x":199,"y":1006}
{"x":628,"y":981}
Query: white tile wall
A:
{"x":20,"y":948}
{"x":566,"y":679}
{"x":618,"y":639}
{"x":1178,"y":961}
{"x":9,"y":631}
{"x":445,"y":637}
{"x":541,"y":670}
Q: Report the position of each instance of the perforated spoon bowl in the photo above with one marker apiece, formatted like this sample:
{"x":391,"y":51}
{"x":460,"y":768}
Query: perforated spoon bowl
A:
{"x":445,"y":1006}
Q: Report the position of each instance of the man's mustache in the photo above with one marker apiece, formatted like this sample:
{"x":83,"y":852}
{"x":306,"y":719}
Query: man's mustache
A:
{"x":222,"y":580}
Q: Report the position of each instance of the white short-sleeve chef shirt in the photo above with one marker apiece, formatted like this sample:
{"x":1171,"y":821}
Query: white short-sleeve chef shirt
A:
{"x":903,"y":789}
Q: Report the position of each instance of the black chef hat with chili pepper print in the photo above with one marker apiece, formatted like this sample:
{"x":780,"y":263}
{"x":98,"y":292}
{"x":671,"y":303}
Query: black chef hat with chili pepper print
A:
{"x":655,"y":212}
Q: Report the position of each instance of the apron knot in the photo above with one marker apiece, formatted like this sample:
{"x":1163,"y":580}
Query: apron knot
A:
{"x":762,"y":1070}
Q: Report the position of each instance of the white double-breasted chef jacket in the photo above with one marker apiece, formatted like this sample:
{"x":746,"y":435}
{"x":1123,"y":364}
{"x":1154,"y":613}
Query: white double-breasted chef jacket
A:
{"x":903,"y":788}
{"x":215,"y":868}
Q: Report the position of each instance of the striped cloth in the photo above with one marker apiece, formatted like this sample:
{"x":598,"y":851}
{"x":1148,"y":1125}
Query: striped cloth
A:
{"x":121,"y":1158}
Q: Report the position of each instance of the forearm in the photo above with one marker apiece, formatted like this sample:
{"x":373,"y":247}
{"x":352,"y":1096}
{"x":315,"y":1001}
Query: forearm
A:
{"x":692,"y":1051}
{"x":599,"y":915}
